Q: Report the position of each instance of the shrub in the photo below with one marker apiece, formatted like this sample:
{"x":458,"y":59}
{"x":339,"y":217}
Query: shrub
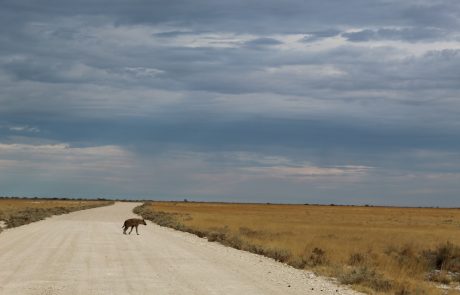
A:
{"x":356,"y":259}
{"x":317,"y":257}
{"x":444,"y":257}
{"x":456,"y":277}
{"x":281,"y":255}
{"x":256,"y":249}
{"x":440,"y":277}
{"x":214,"y":236}
{"x":233,"y":241}
{"x":366,"y":277}
{"x":403,"y":290}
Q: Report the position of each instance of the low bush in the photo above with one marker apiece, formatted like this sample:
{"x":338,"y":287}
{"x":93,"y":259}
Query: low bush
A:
{"x":317,"y":257}
{"x":445,"y":257}
{"x":365,"y":276}
{"x":216,"y":236}
{"x":281,"y":255}
{"x":441,"y":277}
{"x":356,"y":259}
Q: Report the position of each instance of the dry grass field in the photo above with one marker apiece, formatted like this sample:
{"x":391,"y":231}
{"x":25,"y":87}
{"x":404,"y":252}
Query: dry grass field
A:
{"x":16,"y":212}
{"x":378,"y":250}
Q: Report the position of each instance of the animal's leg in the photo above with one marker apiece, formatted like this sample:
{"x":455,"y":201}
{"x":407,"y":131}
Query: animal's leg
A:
{"x":124,"y":229}
{"x":131,"y":229}
{"x":136,"y":228}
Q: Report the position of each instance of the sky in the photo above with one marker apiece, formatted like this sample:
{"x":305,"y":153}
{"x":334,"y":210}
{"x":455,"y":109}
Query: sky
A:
{"x":344,"y":102}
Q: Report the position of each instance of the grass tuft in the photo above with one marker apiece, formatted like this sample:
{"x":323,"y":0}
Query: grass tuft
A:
{"x":356,"y":259}
{"x":445,"y":257}
{"x":367,"y":277}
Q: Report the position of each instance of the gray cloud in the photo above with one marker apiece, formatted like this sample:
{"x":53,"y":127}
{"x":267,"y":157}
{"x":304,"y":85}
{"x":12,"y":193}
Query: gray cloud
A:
{"x":233,"y":98}
{"x":262,"y":42}
{"x":169,"y":34}
{"x":241,"y":16}
{"x":406,"y":34}
{"x":318,"y":35}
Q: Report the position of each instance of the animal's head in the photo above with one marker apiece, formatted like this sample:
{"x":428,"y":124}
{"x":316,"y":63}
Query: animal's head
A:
{"x":143,"y":222}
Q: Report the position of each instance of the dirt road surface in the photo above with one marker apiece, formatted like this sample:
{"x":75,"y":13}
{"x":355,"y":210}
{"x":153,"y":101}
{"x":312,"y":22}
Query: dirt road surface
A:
{"x":86,"y":253}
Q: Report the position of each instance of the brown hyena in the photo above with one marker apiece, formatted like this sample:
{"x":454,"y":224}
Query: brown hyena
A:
{"x":133,"y":222}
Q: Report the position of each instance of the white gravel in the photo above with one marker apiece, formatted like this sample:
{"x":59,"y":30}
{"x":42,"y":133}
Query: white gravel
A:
{"x":86,"y":253}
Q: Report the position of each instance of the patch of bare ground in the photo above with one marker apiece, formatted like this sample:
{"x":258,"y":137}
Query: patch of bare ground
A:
{"x":377,"y":250}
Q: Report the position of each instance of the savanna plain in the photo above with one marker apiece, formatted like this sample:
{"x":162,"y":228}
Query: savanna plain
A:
{"x":15,"y":212}
{"x":377,"y":250}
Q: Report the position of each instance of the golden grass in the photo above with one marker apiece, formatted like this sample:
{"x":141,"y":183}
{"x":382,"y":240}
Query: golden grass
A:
{"x":16,"y":212}
{"x":378,"y":249}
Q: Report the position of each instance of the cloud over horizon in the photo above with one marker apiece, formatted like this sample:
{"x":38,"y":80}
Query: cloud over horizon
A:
{"x":357,"y":101}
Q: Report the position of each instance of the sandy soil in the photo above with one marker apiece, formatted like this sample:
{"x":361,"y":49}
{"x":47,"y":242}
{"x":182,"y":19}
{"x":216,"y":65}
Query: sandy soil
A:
{"x":86,"y":253}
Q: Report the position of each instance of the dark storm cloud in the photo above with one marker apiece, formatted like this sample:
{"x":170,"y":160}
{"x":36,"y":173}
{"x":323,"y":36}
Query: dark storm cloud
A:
{"x":170,"y":34}
{"x":243,"y":16}
{"x":318,"y":35}
{"x":262,"y":42}
{"x":411,"y":35}
{"x":302,"y":99}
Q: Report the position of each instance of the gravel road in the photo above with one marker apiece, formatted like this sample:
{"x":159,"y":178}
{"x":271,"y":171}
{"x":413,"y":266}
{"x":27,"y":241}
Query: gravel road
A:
{"x":86,"y":253}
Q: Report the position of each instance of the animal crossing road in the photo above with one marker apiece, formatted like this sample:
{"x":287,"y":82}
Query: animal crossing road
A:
{"x":86,"y":253}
